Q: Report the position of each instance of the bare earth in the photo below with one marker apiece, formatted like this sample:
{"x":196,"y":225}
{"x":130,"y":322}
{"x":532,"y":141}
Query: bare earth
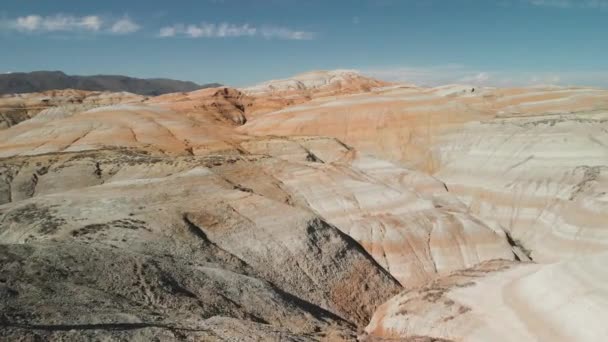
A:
{"x":325,"y":207}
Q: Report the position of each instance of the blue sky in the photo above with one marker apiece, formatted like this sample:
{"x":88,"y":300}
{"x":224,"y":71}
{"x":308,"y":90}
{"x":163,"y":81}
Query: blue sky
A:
{"x":241,"y":42}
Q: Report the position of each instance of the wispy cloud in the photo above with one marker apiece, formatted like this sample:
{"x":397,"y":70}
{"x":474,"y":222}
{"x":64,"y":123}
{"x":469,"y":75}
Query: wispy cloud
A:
{"x":226,"y":30}
{"x":168,"y":31}
{"x":124,"y":26}
{"x":34,"y":23}
{"x":570,"y":3}
{"x":59,"y":22}
{"x":451,"y":73}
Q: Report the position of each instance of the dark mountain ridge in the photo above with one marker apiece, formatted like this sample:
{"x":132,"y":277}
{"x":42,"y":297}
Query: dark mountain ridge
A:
{"x":36,"y":81}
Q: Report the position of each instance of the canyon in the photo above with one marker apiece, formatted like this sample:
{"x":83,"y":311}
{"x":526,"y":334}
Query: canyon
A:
{"x":328,"y":206}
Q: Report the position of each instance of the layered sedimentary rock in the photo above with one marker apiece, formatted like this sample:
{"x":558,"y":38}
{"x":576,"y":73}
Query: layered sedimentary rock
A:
{"x":392,"y":122}
{"x":334,"y":232}
{"x":530,"y":161}
{"x":544,"y":178}
{"x":375,"y":202}
{"x":338,"y":82}
{"x":502,"y":301}
{"x":533,"y":161}
{"x":192,"y":245}
{"x":19,"y":107}
{"x":218,"y":105}
{"x":321,"y":207}
{"x":407,"y":221}
{"x":278,"y":94}
{"x":125,"y":125}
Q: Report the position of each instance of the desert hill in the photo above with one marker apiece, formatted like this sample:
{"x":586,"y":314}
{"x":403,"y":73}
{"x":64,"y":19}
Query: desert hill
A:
{"x":324,"y":207}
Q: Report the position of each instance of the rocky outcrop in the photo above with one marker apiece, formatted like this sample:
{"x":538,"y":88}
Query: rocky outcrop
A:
{"x":20,"y":107}
{"x":531,"y":161}
{"x":407,"y":221}
{"x":198,"y":238}
{"x":237,"y":207}
{"x":218,"y":105}
{"x":82,"y":290}
{"x":147,"y":127}
{"x":277,"y":94}
{"x":501,"y":301}
{"x":336,"y":82}
{"x":299,"y":210}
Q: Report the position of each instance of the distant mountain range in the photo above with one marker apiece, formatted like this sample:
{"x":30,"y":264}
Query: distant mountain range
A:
{"x":36,"y":81}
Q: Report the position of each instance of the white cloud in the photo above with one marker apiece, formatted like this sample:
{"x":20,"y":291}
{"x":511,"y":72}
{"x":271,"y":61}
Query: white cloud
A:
{"x":91,"y":22}
{"x":450,"y":74}
{"x":570,"y":3}
{"x":195,"y":32}
{"x":551,"y":3}
{"x":283,"y":33}
{"x":124,"y":26}
{"x":225,"y":30}
{"x":34,"y":23}
{"x":29,"y":23}
{"x":58,"y":22}
{"x":169,"y":31}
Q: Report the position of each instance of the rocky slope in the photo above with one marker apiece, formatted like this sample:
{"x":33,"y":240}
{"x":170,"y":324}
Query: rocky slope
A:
{"x":20,"y":107}
{"x":278,"y":94}
{"x":215,"y":105}
{"x":194,"y":238}
{"x":333,"y":82}
{"x":502,"y":301}
{"x":309,"y":209}
{"x":531,"y":160}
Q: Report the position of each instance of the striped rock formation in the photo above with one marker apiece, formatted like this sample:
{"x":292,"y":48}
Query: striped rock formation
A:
{"x":500,"y":301}
{"x":532,"y":161}
{"x":15,"y":108}
{"x":214,"y":229}
{"x":310,"y":209}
